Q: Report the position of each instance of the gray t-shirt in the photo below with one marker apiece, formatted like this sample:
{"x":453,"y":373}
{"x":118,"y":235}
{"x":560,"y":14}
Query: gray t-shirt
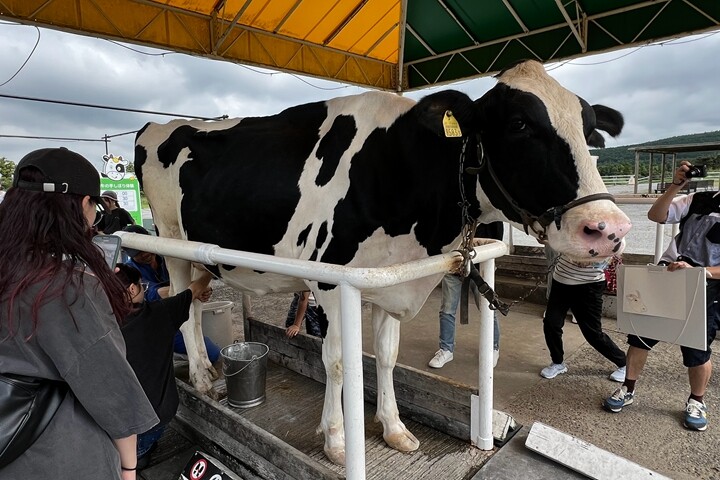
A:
{"x":79,"y":342}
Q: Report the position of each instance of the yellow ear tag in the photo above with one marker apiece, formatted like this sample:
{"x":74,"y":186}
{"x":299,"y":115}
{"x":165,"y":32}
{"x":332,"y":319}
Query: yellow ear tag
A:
{"x":451,"y":126}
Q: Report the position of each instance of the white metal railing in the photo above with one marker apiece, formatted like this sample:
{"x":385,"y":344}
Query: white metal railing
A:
{"x":351,"y":280}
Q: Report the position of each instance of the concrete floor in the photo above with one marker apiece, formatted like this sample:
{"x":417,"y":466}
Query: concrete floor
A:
{"x":520,"y":361}
{"x":649,"y":432}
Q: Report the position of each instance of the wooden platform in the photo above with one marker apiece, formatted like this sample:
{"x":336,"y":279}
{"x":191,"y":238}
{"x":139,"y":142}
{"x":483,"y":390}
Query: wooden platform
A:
{"x":278,"y":439}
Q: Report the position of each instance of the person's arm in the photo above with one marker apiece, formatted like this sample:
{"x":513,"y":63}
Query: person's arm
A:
{"x":303,"y":301}
{"x":659,"y":210}
{"x":127,"y":447}
{"x":199,"y":287}
{"x":129,"y":217}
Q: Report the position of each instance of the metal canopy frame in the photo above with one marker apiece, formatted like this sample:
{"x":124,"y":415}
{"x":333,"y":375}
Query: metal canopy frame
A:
{"x":396,"y":45}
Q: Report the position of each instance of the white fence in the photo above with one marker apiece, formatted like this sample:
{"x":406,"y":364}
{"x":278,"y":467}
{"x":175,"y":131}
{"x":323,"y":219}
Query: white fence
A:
{"x":351,"y":281}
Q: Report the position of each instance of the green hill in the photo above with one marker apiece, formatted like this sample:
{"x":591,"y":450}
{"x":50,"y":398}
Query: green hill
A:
{"x":621,"y":161}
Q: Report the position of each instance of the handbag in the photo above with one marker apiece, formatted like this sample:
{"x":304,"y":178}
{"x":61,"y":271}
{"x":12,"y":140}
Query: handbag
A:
{"x":27,"y":405}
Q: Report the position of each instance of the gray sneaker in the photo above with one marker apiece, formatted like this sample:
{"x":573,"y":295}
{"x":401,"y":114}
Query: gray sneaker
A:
{"x":553,"y":370}
{"x":618,"y":375}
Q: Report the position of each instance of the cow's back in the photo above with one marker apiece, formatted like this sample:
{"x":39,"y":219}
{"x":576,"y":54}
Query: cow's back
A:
{"x":320,"y":181}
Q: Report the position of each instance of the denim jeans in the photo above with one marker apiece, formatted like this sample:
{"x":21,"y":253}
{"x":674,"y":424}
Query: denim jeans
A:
{"x":451,"y":286}
{"x":213,"y":350}
{"x":146,"y":440}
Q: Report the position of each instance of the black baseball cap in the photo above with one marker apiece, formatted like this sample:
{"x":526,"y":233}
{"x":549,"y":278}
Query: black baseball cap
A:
{"x":64,"y":171}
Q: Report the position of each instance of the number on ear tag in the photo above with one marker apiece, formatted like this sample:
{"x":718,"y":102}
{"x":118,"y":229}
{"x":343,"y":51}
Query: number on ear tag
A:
{"x":451,"y":126}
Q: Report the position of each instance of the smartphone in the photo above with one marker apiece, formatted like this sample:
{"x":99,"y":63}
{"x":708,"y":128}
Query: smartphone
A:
{"x":110,"y":245}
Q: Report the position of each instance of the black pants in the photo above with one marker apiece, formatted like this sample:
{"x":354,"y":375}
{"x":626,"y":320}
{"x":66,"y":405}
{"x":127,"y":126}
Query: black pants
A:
{"x":585,"y":300}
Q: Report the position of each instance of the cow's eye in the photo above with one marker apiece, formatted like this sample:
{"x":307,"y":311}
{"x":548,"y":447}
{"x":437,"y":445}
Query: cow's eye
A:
{"x":517,"y":125}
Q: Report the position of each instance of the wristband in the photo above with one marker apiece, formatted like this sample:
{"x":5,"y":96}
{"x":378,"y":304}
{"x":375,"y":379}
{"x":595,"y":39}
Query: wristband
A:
{"x":125,"y":469}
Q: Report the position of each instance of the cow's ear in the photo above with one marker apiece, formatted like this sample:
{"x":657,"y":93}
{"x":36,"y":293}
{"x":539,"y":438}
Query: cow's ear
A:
{"x":596,"y":140}
{"x":431,"y":110}
{"x":608,"y":120}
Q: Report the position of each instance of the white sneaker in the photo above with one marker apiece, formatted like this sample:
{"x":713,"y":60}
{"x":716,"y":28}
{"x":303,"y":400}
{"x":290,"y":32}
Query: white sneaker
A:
{"x":618,"y":375}
{"x":441,"y":358}
{"x":553,"y":370}
{"x":496,"y":357}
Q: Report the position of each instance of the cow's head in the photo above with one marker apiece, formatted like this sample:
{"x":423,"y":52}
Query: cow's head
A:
{"x":529,"y":137}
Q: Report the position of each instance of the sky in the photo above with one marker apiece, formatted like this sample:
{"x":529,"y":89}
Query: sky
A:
{"x":663,"y":90}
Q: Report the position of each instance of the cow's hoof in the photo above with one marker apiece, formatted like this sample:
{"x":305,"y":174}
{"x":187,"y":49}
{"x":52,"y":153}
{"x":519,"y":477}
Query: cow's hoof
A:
{"x":403,"y":441}
{"x":201,"y":383}
{"x":212,"y":393}
{"x":336,"y":455}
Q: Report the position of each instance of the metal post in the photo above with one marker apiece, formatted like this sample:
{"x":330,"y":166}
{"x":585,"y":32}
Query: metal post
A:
{"x":353,"y":394}
{"x":659,"y":231}
{"x":481,"y":407}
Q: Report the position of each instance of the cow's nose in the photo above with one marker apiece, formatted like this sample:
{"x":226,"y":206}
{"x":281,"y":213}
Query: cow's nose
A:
{"x":605,"y":237}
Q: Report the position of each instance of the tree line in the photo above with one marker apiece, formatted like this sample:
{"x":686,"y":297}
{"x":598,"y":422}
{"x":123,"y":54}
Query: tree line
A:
{"x":621,"y":160}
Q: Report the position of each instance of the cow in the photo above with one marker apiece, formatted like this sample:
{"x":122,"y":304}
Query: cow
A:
{"x":376,"y":179}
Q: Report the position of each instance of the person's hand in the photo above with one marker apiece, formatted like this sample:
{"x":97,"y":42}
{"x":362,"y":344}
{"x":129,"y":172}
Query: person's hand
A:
{"x":292,"y":330}
{"x":205,"y":295}
{"x":679,"y":177}
{"x":677,"y":266}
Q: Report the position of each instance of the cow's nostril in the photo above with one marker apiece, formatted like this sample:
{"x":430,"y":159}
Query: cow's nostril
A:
{"x":591,"y":232}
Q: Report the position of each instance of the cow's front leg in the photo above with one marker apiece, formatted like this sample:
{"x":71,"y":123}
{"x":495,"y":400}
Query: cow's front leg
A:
{"x":387,"y":338}
{"x":332,"y":415}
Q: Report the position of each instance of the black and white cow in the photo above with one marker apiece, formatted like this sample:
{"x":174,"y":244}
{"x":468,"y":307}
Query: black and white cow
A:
{"x":372,"y":180}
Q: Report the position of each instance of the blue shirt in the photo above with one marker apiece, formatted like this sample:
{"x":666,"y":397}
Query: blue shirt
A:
{"x":155,"y":278}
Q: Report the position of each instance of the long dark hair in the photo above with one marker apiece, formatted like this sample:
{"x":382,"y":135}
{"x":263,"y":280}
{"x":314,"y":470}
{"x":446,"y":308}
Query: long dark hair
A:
{"x":44,"y":239}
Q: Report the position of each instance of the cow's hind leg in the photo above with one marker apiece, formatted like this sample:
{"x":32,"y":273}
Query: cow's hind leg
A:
{"x":332,"y":415}
{"x":387,"y":338}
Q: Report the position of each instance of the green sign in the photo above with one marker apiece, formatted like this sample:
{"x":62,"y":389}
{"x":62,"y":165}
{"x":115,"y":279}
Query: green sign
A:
{"x":128,"y":194}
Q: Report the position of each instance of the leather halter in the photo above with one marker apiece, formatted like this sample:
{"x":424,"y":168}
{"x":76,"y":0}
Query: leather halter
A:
{"x":552,"y":214}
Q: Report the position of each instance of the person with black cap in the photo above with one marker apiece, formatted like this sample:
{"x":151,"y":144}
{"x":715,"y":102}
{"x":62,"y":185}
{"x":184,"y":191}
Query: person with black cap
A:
{"x":115,"y":217}
{"x":60,"y":309}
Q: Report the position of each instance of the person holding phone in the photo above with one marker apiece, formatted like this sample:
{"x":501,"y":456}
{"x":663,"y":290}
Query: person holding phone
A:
{"x":60,"y":309}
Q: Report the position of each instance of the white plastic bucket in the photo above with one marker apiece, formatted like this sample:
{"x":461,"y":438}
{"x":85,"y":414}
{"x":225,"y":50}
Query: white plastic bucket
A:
{"x":217,"y":322}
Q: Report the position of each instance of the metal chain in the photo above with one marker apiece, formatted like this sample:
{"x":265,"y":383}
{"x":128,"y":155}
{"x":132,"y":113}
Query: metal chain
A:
{"x":469,"y":224}
{"x":522,"y":298}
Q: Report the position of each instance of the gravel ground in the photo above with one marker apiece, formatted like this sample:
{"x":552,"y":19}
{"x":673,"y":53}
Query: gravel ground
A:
{"x":649,"y":432}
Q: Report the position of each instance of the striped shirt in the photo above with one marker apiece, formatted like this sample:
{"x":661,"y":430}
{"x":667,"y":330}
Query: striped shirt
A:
{"x":570,"y":273}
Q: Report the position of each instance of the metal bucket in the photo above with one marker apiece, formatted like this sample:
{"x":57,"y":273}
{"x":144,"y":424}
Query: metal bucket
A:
{"x":245,"y":369}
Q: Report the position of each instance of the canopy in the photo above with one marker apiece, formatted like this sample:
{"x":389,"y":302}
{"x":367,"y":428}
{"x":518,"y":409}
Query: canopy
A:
{"x":386,"y":44}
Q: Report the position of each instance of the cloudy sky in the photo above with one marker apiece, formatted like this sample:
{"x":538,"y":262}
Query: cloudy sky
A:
{"x":663,"y":90}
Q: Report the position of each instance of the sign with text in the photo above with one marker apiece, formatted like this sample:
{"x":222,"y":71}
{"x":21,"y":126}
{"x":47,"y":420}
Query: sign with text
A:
{"x":128,"y":194}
